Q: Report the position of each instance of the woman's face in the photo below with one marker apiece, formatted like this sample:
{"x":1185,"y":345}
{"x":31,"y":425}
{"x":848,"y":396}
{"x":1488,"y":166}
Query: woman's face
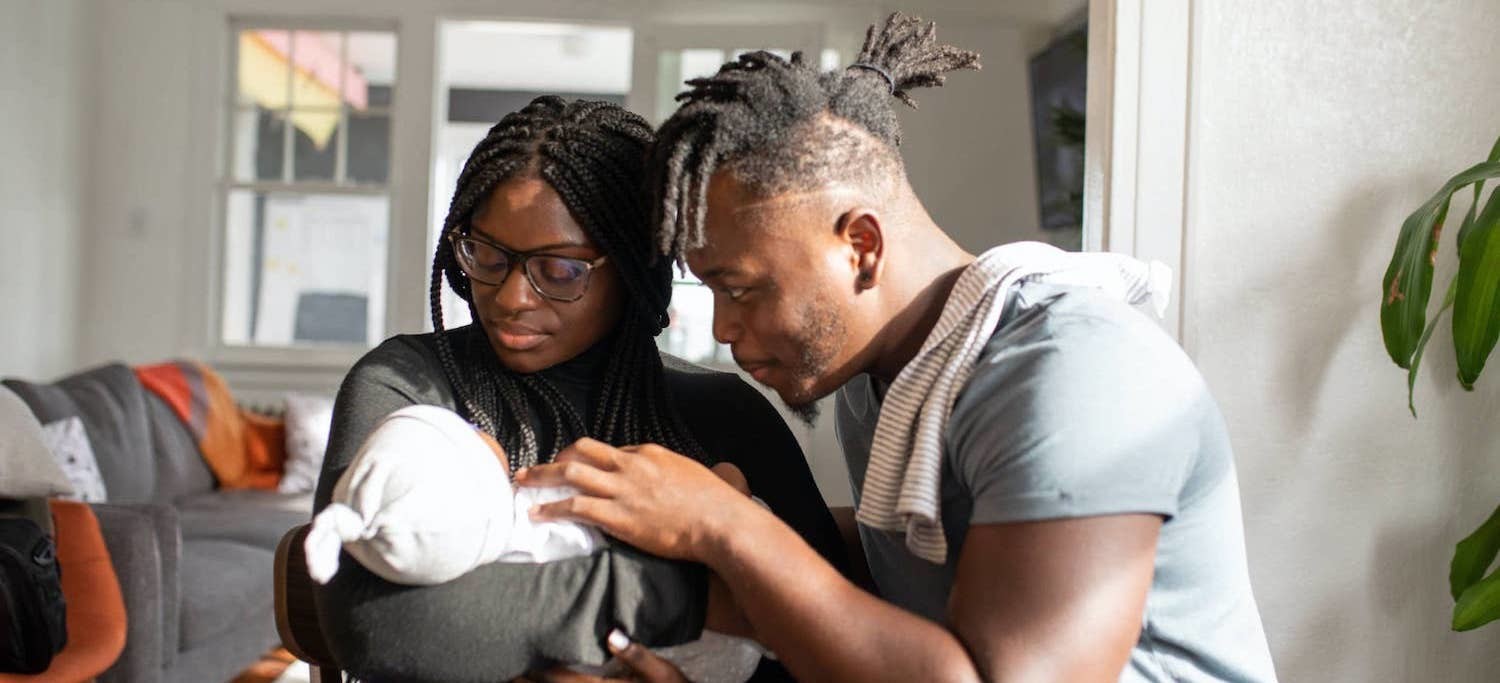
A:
{"x":528,"y":331}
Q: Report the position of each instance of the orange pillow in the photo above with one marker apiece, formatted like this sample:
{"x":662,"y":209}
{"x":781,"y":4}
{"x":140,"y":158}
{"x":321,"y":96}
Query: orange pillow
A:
{"x":265,"y":451}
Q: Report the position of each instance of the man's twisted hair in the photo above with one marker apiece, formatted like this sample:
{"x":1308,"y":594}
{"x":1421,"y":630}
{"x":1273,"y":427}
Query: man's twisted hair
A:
{"x":780,"y":125}
{"x":591,"y":153}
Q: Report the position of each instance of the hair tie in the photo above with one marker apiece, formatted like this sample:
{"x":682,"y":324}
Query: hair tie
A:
{"x":889,"y":81}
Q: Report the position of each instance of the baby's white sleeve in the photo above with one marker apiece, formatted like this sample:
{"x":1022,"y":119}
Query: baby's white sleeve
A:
{"x":547,"y":541}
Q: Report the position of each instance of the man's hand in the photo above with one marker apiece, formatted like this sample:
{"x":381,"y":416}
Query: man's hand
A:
{"x":656,"y":500}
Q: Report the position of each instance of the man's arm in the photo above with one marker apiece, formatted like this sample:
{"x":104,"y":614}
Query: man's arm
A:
{"x":1053,"y":600}
{"x":1058,"y":600}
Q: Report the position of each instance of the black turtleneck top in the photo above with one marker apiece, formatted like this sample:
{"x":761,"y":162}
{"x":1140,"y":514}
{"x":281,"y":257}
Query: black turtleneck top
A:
{"x":503,"y":618}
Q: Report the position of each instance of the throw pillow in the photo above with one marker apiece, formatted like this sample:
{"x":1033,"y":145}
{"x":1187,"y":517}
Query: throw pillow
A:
{"x":27,"y":469}
{"x":71,"y":449}
{"x":308,"y":420}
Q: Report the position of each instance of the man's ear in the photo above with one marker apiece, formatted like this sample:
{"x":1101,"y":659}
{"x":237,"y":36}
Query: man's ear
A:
{"x":861,"y":229}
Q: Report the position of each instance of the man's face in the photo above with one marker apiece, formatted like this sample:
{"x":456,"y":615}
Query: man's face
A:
{"x":784,"y":290}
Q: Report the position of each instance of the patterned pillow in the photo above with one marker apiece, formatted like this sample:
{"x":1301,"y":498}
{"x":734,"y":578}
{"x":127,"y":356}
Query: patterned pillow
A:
{"x":308,"y":420}
{"x":71,"y":449}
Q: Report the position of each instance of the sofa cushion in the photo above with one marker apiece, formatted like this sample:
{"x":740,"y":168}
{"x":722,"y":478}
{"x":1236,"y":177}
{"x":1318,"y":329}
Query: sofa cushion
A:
{"x":251,"y":516}
{"x":224,"y":583}
{"x":180,"y":468}
{"x":112,"y":405}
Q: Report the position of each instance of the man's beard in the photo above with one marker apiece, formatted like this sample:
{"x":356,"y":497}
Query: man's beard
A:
{"x":818,"y":341}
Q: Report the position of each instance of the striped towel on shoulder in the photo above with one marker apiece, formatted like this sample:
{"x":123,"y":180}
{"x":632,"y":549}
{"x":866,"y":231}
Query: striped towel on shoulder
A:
{"x":901,"y":487}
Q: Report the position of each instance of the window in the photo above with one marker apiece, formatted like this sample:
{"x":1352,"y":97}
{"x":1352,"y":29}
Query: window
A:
{"x":690,"y":334}
{"x":488,"y":69}
{"x":305,"y":194}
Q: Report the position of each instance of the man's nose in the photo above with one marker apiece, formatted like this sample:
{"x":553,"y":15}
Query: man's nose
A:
{"x":727,"y":327}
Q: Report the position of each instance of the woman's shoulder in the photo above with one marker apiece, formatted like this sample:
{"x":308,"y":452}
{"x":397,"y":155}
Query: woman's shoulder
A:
{"x":686,"y":375}
{"x":401,"y":349}
{"x":407,"y":362}
{"x":701,"y":390}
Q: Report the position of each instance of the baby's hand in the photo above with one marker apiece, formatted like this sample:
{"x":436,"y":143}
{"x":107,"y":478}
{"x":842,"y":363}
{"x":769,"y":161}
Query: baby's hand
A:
{"x":732,"y":476}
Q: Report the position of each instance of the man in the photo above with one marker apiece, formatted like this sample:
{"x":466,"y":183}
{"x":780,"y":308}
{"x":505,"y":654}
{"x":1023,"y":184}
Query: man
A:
{"x":1080,"y":518}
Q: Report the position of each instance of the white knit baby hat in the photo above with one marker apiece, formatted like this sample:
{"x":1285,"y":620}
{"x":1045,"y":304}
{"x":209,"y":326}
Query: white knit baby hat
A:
{"x":424,"y":501}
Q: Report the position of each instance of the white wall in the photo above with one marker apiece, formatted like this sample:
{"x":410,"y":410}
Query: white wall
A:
{"x":43,"y":76}
{"x":969,"y":149}
{"x":1316,"y":128}
{"x":139,"y":227}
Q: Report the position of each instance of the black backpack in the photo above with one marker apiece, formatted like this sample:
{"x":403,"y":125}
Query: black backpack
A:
{"x":32,"y":618}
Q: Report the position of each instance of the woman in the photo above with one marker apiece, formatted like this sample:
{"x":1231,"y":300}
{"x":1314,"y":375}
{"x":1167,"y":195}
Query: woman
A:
{"x":546,"y":240}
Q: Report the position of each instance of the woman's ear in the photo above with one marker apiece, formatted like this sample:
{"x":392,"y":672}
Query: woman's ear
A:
{"x":861,"y":230}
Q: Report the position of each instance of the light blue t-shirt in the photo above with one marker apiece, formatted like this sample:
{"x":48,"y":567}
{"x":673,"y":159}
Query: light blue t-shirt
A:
{"x":1081,"y":406}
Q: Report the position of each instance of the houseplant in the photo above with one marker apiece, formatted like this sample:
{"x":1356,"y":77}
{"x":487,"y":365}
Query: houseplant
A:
{"x":1474,"y":295}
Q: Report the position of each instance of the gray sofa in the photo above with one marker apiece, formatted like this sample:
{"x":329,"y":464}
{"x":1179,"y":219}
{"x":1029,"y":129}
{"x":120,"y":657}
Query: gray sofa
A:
{"x":194,"y":562}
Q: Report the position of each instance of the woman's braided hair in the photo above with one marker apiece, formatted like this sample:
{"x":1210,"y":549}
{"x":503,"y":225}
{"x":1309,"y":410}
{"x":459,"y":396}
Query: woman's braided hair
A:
{"x":780,"y":125}
{"x":592,"y":154}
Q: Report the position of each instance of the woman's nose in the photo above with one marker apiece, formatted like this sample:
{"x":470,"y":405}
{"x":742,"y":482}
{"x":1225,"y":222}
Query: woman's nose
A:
{"x":515,"y":292}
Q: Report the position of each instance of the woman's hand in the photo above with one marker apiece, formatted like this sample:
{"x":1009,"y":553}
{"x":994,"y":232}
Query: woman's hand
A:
{"x":643,"y":664}
{"x":656,"y":500}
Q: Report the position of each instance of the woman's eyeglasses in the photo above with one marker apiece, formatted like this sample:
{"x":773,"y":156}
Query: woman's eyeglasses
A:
{"x":556,"y":277}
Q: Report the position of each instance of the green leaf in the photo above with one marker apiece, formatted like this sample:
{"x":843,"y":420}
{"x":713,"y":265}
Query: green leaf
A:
{"x":1479,"y":605}
{"x":1463,"y":230}
{"x":1408,"y":280}
{"x":1473,"y":555}
{"x":1476,"y":311}
{"x":1416,"y":358}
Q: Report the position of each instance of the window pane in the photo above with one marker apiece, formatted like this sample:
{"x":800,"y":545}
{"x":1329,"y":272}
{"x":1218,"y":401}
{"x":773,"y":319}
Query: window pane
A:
{"x":258,"y":144}
{"x":263,"y":68}
{"x":829,"y":60}
{"x":674,"y":68}
{"x":369,"y":152}
{"x":690,"y":334}
{"x":316,"y":145}
{"x":320,"y":75}
{"x":304,"y":268}
{"x":372,"y":58}
{"x":779,"y":52}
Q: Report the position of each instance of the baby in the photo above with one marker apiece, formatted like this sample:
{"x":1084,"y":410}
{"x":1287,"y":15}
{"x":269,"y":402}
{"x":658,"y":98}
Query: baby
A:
{"x":429,"y":498}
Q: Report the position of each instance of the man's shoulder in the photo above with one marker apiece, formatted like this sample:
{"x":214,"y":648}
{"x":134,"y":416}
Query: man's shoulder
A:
{"x":1054,"y":335}
{"x":1072,"y":357}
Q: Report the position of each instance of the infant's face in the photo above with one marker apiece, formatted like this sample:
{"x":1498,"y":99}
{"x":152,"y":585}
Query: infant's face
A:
{"x":496,"y":449}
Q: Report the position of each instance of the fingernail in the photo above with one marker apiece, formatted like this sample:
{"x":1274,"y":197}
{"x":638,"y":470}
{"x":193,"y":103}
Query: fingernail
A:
{"x":618,"y":640}
{"x":521,"y":472}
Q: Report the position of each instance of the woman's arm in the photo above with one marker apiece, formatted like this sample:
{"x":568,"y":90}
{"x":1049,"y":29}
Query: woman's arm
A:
{"x":499,"y":616}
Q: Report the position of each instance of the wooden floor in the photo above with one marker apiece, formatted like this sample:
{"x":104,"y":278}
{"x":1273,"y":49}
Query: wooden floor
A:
{"x":269,"y":668}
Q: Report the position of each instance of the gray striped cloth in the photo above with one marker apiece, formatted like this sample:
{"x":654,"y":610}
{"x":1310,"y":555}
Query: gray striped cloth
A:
{"x":901,"y":487}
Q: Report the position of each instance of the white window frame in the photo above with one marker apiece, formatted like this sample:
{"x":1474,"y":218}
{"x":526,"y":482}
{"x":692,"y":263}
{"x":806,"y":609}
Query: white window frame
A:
{"x":1136,"y":160}
{"x":267,"y":370}
{"x":288,"y":184}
